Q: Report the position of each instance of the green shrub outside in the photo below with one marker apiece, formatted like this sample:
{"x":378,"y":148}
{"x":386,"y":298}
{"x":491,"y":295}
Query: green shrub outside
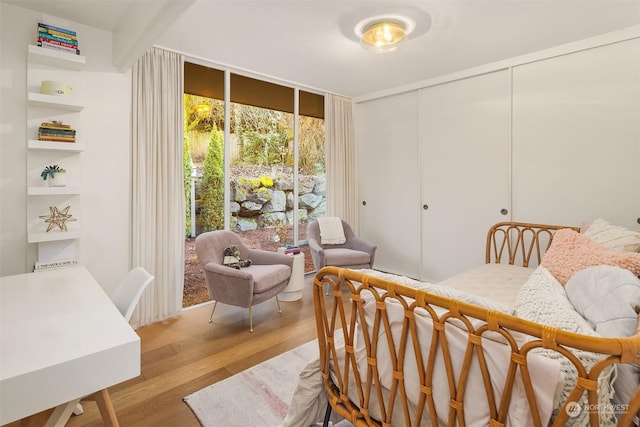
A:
{"x":212,"y":190}
{"x":188,"y":171}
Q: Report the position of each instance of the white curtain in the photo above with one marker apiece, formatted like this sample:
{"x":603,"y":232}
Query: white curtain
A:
{"x":158,"y":203}
{"x":342,"y":189}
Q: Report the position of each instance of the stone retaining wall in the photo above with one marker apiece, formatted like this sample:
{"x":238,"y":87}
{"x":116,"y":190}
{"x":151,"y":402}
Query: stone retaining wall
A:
{"x":267,"y":200}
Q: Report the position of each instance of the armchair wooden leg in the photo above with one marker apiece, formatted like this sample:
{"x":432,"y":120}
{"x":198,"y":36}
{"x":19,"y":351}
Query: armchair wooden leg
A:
{"x":250,"y":319}
{"x":214,"y":309}
{"x":278,"y":302}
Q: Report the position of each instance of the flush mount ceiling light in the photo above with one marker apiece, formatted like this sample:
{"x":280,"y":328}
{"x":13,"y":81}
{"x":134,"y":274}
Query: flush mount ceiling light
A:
{"x":383,"y":33}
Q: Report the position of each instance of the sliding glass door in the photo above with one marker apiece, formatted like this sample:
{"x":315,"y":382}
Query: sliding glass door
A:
{"x":266,"y":179}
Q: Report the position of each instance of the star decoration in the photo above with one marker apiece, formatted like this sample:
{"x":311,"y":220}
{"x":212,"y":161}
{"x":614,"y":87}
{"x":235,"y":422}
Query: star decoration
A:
{"x":57,"y":217}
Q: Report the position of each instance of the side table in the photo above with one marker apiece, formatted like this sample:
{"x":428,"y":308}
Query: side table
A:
{"x":293,"y":291}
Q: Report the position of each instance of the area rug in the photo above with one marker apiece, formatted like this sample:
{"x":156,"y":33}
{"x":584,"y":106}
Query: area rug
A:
{"x":258,"y":396}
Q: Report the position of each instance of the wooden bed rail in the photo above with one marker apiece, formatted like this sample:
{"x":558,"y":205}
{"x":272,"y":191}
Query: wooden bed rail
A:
{"x":354,"y":376}
{"x":520,"y":243}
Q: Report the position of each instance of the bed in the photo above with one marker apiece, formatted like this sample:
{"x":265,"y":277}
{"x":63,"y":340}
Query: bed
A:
{"x":518,"y":341}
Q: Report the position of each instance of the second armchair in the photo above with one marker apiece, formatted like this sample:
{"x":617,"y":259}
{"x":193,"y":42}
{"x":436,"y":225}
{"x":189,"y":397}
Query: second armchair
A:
{"x":354,"y":253}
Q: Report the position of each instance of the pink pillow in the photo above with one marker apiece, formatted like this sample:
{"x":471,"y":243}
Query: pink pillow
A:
{"x":571,"y":252}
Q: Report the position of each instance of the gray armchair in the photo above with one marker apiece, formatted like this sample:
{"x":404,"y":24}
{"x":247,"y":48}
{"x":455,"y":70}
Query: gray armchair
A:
{"x":354,"y":253}
{"x":265,"y":278}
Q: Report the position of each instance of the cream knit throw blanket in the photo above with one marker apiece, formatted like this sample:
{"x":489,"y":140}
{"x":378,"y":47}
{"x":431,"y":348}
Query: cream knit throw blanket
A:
{"x":542,"y":299}
{"x":331,"y":231}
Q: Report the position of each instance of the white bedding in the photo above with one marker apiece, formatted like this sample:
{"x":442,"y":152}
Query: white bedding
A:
{"x":499,"y":285}
{"x":490,"y":285}
{"x":545,"y":373}
{"x":482,"y":280}
{"x":309,"y":401}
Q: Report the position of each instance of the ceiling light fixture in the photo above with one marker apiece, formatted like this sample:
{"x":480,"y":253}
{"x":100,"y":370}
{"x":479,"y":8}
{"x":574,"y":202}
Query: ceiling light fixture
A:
{"x":383,"y":33}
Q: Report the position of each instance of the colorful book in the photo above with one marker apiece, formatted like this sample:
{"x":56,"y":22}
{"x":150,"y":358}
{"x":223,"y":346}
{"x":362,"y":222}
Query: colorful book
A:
{"x":57,"y":47}
{"x":56,"y":138}
{"x":42,"y":132}
{"x":57,"y":43}
{"x":47,"y":36}
{"x":52,"y":265}
{"x":56,"y":129}
{"x":54,"y":28}
{"x":52,"y":132}
{"x":56,"y":34}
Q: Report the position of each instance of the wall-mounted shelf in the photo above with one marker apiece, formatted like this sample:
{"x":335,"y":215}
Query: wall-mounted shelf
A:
{"x":48,"y":64}
{"x":35,"y":144}
{"x":53,"y":101}
{"x":55,"y":58}
{"x":53,"y":191}
{"x":53,"y":236}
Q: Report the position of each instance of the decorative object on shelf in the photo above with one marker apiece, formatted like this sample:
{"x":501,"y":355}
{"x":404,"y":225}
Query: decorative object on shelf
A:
{"x":281,"y":233}
{"x":57,"y":217}
{"x":57,"y":38}
{"x":56,"y":175}
{"x":56,"y":131}
{"x":49,"y":87}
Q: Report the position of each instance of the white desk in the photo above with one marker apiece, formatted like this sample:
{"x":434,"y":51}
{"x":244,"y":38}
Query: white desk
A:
{"x":61,"y":338}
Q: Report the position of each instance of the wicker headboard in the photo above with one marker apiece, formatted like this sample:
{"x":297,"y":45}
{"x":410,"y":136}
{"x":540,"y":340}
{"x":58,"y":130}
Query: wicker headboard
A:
{"x":520,"y":243}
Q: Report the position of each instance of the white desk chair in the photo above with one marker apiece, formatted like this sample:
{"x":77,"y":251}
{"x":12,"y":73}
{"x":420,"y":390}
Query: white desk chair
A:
{"x":126,"y":299}
{"x":130,"y":290}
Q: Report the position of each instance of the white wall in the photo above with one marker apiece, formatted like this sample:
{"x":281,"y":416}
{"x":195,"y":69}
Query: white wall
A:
{"x":106,"y":123}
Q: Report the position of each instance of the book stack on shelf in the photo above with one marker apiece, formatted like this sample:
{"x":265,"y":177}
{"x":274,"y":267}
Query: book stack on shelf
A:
{"x":56,"y":131}
{"x":58,"y":38}
{"x":291,"y":250}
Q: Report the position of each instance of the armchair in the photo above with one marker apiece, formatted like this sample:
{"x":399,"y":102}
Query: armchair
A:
{"x":267,"y":275}
{"x":354,"y":253}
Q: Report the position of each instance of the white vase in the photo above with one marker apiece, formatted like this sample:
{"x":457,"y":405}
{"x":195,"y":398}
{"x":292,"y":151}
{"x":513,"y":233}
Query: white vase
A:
{"x":59,"y":180}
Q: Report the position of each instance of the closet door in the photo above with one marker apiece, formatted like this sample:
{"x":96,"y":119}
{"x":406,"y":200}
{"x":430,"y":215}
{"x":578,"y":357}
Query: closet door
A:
{"x":387,"y":137}
{"x":576,"y":137}
{"x":464,"y":165}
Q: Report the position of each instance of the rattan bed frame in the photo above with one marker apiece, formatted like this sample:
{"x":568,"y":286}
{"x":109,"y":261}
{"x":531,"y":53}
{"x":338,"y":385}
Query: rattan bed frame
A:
{"x":338,"y":314}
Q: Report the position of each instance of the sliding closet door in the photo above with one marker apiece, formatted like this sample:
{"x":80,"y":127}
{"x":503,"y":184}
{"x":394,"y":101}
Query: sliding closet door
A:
{"x":464,"y":165}
{"x":576,"y":137}
{"x":387,"y":137}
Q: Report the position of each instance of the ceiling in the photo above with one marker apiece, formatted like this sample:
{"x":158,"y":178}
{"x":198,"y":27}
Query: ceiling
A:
{"x":312,"y":42}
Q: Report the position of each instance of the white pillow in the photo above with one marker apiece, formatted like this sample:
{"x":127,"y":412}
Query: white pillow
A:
{"x":543,"y":299}
{"x":613,"y":237}
{"x":609,"y":298}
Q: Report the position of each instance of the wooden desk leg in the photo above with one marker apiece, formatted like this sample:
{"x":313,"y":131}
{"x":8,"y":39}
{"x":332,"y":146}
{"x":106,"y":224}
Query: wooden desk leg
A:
{"x":105,"y":406}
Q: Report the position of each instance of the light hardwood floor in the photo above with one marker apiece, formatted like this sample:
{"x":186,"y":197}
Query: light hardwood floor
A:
{"x":185,"y":354}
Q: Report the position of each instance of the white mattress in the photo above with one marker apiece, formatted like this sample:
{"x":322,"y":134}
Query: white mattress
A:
{"x":493,"y":282}
{"x":499,"y":282}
